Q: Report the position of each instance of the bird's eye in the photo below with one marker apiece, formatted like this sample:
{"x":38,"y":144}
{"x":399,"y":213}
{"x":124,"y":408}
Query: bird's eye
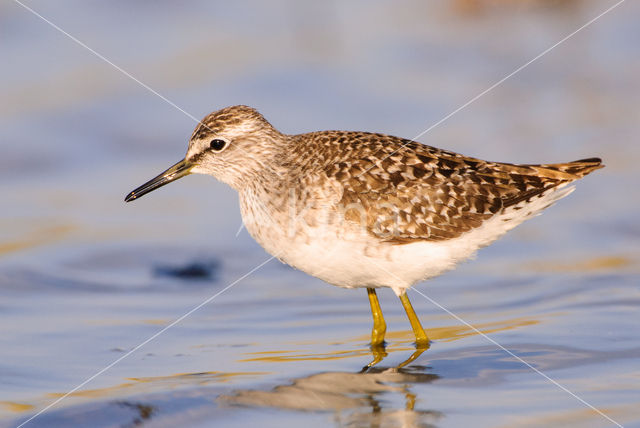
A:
{"x":217,"y":145}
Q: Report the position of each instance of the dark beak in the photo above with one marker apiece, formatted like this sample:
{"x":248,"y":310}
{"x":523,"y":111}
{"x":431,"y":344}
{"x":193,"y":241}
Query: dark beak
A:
{"x":178,"y":170}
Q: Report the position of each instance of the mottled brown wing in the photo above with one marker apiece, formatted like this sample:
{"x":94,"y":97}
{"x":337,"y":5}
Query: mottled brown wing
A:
{"x":411,"y":192}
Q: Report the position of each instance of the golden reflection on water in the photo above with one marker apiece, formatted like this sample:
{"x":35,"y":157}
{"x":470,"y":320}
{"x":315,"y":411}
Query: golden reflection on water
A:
{"x":202,"y":378}
{"x":35,"y":237}
{"x":160,"y":383}
{"x":448,"y":334}
{"x":603,"y":263}
{"x":281,"y":356}
{"x":16,"y":407}
{"x":403,"y":337}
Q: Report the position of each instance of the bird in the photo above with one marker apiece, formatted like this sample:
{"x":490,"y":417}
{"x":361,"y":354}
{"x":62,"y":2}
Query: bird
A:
{"x":366,"y":210}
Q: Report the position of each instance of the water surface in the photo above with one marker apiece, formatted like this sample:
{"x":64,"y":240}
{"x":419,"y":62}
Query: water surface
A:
{"x":84,"y":278}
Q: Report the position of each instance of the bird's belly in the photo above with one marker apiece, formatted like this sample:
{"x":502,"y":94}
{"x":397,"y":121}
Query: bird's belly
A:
{"x":366,"y":264}
{"x":360,"y":260}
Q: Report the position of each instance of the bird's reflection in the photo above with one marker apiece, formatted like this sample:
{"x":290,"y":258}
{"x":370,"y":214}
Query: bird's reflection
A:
{"x":379,"y":352}
{"x":381,"y":394}
{"x":357,"y":399}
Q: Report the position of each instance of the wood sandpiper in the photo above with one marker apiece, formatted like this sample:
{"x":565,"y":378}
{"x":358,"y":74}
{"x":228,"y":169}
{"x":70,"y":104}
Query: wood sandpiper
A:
{"x":359,"y":209}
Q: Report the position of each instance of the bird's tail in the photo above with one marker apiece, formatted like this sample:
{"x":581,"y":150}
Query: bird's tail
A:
{"x":572,"y":170}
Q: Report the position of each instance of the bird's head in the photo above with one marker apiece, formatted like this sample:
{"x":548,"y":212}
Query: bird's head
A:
{"x":232,"y":144}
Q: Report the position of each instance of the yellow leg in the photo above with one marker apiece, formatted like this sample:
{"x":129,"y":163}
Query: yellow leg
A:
{"x":379,"y":326}
{"x":422,"y":341}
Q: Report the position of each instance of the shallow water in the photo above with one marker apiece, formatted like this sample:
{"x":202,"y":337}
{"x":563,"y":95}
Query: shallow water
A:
{"x":85,"y":279}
